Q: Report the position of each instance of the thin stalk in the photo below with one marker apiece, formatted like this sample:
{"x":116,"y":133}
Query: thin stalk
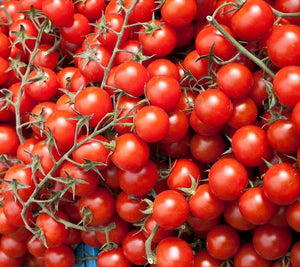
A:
{"x":212,"y":21}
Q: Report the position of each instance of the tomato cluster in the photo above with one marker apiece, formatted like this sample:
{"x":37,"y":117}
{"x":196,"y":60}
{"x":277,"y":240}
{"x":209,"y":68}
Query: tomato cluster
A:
{"x":163,"y":133}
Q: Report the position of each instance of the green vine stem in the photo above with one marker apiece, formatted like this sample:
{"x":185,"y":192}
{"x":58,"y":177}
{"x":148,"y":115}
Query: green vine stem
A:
{"x":212,"y":21}
{"x":148,"y":246}
{"x":120,"y":36}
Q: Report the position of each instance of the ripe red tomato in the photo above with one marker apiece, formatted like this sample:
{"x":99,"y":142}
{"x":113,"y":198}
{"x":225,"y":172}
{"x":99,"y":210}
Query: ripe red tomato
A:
{"x":161,"y":42}
{"x":129,"y":209}
{"x":115,"y":235}
{"x":272,"y":242}
{"x":235,"y":80}
{"x":59,"y":12}
{"x":280,"y":45}
{"x":5,"y":260}
{"x":87,"y":103}
{"x":151,"y":123}
{"x":29,"y":29}
{"x":61,"y":255}
{"x":163,"y":66}
{"x":114,"y":23}
{"x":98,"y":207}
{"x":141,"y":182}
{"x":285,"y":85}
{"x":92,"y":66}
{"x":92,"y":9}
{"x":247,"y":256}
{"x":92,"y":151}
{"x":207,"y":149}
{"x":181,"y":174}
{"x":213,"y":107}
{"x":42,"y":84}
{"x":178,"y":13}
{"x":55,"y":232}
{"x":209,"y":37}
{"x":35,"y":246}
{"x":63,"y":127}
{"x":292,"y":216}
{"x":160,"y":234}
{"x":111,"y":258}
{"x":170,"y":209}
{"x":255,"y":206}
{"x":232,"y":216}
{"x":250,"y":145}
{"x":21,"y":174}
{"x":13,"y":247}
{"x":76,"y":31}
{"x":44,"y":58}
{"x":282,"y":136}
{"x":294,"y":254}
{"x":9,"y":140}
{"x":288,"y":6}
{"x":281,"y":183}
{"x":26,"y":103}
{"x":130,"y":71}
{"x":204,"y":204}
{"x":244,"y":113}
{"x":134,"y":247}
{"x":227,"y":179}
{"x":253,"y":20}
{"x":166,"y":257}
{"x":88,"y":180}
{"x":39,"y":114}
{"x":222,"y":242}
{"x":131,"y":153}
{"x":158,"y":87}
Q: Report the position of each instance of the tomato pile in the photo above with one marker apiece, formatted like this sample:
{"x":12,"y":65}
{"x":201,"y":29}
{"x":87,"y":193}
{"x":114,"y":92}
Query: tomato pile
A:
{"x":164,"y":133}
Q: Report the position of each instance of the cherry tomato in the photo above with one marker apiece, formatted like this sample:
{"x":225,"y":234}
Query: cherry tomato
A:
{"x":292,"y":216}
{"x":139,"y":183}
{"x":209,"y":36}
{"x":179,"y":13}
{"x":151,"y":123}
{"x":173,"y":251}
{"x":87,"y":103}
{"x":213,"y":107}
{"x":272,"y":242}
{"x":280,"y":43}
{"x":59,"y":12}
{"x":207,"y":149}
{"x":97,"y":207}
{"x":247,"y":256}
{"x":170,"y":209}
{"x":76,"y":31}
{"x":227,"y":179}
{"x":235,"y":80}
{"x":130,"y":209}
{"x":159,"y":86}
{"x":55,"y":232}
{"x":253,"y":20}
{"x":204,"y":204}
{"x":134,"y":247}
{"x":255,"y":207}
{"x":112,"y":258}
{"x":250,"y":145}
{"x":130,"y":71}
{"x":222,"y":242}
{"x":62,"y":256}
{"x":285,"y":84}
{"x":161,"y":42}
{"x":281,"y":183}
{"x":131,"y":153}
{"x":43,"y":84}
